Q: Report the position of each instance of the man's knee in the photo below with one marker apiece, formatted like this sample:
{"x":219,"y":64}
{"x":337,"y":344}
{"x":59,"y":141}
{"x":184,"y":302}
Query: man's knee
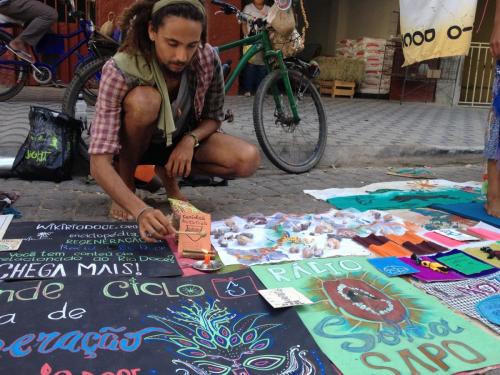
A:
{"x":49,"y":13}
{"x":247,"y":161}
{"x":142,"y":105}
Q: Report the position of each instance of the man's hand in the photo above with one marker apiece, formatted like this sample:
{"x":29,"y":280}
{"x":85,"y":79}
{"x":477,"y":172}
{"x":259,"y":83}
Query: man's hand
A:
{"x":179,"y":162}
{"x":495,"y":41}
{"x":154,"y":225}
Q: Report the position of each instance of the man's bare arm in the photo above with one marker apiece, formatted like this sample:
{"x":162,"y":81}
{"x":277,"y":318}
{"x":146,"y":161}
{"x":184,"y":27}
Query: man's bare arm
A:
{"x":153,"y":225}
{"x":179,"y":162}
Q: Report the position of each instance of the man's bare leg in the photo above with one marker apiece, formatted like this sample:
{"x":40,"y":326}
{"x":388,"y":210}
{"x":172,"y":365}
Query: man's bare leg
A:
{"x":493,"y":195}
{"x":225,"y":156}
{"x":170,"y":183}
{"x":141,"y":107}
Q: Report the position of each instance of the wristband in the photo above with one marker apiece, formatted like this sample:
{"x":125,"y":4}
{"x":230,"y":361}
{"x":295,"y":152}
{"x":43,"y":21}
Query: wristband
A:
{"x":196,"y":140}
{"x":141,"y":211}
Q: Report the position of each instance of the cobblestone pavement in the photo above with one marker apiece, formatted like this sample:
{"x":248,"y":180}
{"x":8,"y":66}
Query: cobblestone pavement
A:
{"x":268,"y":191}
{"x":360,"y":131}
{"x":356,"y":127}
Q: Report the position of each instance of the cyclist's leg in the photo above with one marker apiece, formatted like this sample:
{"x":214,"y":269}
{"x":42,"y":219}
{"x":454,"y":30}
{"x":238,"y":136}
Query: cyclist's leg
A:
{"x":37,"y":15}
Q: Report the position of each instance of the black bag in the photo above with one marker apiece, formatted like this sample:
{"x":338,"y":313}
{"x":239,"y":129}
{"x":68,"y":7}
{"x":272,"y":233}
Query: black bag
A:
{"x":49,"y":149}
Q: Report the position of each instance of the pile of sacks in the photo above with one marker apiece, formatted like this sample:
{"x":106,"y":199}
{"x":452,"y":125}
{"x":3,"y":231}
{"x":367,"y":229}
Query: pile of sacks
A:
{"x":340,"y":68}
{"x":377,"y":59}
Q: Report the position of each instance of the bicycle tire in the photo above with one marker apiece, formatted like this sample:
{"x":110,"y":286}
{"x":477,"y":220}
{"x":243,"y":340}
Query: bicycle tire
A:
{"x":263,"y":130}
{"x":21,"y":74}
{"x":77,"y":85}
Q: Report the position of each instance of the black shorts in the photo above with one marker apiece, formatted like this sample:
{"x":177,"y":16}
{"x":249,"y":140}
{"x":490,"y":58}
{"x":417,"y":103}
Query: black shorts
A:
{"x":158,"y":153}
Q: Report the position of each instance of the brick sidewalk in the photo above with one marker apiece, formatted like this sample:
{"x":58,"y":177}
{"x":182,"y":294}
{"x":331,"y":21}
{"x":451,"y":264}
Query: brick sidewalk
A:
{"x":360,"y":131}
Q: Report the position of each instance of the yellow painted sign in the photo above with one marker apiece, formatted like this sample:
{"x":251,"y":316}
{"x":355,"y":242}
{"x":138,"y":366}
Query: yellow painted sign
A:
{"x":436,"y":28}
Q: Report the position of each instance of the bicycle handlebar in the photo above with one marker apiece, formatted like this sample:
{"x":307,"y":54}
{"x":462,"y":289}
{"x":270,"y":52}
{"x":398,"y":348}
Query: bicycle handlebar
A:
{"x":226,"y":8}
{"x":231,"y":9}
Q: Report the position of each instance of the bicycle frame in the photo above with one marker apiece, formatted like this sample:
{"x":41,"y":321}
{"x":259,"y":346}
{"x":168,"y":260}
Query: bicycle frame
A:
{"x":85,"y":28}
{"x":261,"y":43}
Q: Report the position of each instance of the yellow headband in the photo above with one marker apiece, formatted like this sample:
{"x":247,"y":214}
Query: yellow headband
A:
{"x":163,"y":3}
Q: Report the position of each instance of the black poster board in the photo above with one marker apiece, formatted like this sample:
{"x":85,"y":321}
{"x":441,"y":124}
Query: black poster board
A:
{"x":198,"y":325}
{"x":83,"y":249}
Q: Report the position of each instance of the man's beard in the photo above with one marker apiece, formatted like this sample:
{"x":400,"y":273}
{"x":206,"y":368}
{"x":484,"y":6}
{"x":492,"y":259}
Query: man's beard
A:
{"x":173,"y":74}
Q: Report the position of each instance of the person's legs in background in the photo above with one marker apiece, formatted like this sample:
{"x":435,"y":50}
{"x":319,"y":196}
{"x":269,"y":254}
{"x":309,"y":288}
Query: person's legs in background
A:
{"x":252,"y":77}
{"x":260,"y":71}
{"x":493,"y":168}
{"x":39,"y":18}
{"x":248,"y":78}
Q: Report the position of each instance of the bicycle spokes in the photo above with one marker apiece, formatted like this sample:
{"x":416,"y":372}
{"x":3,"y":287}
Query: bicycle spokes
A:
{"x":294,"y":144}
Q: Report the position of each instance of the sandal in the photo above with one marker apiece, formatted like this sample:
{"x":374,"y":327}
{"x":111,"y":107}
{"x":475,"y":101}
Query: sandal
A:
{"x":202,"y":180}
{"x":21,"y":54}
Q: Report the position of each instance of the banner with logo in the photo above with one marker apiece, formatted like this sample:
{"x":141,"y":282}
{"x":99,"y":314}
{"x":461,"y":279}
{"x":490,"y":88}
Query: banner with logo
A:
{"x":436,"y":28}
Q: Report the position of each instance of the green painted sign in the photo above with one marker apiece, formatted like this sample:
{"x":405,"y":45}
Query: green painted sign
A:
{"x":367,"y":323}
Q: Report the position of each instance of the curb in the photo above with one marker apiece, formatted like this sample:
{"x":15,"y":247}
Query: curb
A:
{"x":416,"y":155}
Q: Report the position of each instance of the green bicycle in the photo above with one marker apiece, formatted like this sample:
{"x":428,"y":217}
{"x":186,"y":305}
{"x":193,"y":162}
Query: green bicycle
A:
{"x":289,"y":118}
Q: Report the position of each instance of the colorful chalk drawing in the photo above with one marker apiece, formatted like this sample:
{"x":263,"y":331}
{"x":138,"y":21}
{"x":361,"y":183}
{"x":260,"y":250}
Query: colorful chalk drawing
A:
{"x":366,"y":322}
{"x":153,"y":325}
{"x":259,"y":239}
{"x":211,"y":339}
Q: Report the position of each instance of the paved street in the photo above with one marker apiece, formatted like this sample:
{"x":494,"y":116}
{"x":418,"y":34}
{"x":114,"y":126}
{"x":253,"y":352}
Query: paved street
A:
{"x":360,"y":131}
{"x":267,"y":192}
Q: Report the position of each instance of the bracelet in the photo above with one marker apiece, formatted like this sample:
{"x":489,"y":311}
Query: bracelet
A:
{"x":196,"y":140}
{"x":142,"y":210}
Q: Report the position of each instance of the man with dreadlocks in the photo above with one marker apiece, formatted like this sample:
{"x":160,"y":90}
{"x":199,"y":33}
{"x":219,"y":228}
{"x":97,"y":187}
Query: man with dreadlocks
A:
{"x":161,"y":102}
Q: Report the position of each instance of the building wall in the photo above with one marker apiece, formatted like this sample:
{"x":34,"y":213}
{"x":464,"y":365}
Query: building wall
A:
{"x":334,"y":20}
{"x":484,"y":33}
{"x":322,"y":16}
{"x":369,"y":18}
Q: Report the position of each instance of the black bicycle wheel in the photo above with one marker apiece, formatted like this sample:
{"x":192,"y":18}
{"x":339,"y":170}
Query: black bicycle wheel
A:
{"x":13,"y":74}
{"x":292,"y":147}
{"x":85,"y":81}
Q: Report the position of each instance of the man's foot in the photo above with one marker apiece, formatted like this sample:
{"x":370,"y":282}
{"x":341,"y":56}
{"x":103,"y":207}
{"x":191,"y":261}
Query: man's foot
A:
{"x":173,"y":190}
{"x":171,"y":186}
{"x":247,"y":94}
{"x":21,"y":49}
{"x":119,"y":213}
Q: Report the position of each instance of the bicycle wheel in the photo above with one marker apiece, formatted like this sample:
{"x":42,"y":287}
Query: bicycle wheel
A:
{"x":13,"y":74}
{"x":292,"y":147}
{"x":85,"y":81}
